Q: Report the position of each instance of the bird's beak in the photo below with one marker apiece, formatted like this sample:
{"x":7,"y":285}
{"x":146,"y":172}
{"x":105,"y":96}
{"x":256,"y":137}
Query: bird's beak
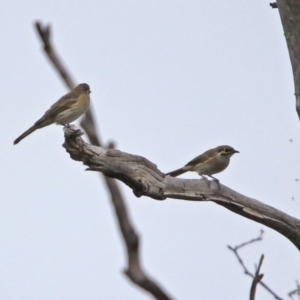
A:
{"x":235,"y":151}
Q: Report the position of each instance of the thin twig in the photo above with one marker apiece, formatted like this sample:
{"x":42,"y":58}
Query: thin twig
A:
{"x":257,"y":278}
{"x":296,"y":291}
{"x":259,"y":238}
{"x":134,"y":270}
{"x":235,"y":251}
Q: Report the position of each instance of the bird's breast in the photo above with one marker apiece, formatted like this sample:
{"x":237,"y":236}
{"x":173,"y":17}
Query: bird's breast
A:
{"x":73,"y":112}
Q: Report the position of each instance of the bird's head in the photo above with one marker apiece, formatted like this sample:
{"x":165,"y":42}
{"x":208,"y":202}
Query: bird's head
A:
{"x":226,"y":151}
{"x":83,"y":87}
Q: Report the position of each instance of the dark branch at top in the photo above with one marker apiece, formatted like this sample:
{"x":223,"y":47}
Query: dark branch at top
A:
{"x":290,"y":18}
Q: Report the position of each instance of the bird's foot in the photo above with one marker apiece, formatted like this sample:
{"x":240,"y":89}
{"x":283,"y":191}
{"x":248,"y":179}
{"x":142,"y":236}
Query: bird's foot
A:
{"x":206,"y":180}
{"x":216,"y":181}
{"x":73,"y":131}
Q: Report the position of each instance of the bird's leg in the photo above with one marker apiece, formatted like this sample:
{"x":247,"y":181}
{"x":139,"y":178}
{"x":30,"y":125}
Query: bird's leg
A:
{"x":206,"y":180}
{"x":216,"y":181}
{"x":76,"y":132}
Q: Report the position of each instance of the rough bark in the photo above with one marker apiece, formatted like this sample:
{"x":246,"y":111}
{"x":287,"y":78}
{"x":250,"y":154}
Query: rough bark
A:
{"x":145,"y":179}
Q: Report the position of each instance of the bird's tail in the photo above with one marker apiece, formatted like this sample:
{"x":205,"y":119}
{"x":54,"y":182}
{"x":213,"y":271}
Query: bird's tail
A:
{"x":27,"y":132}
{"x":177,"y":172}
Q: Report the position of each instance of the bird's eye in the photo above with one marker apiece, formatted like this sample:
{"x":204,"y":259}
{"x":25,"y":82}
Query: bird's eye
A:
{"x":225,"y":152}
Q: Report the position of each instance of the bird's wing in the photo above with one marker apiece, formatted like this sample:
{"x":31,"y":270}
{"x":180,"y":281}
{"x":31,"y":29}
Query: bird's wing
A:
{"x":203,"y":158}
{"x":64,"y":103}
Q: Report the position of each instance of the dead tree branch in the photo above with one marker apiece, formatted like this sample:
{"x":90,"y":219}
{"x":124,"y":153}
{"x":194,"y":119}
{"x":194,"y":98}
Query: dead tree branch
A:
{"x":134,"y":270}
{"x":144,"y":178}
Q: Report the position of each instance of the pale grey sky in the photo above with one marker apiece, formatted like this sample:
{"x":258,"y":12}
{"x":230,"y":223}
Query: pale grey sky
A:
{"x":169,"y":80}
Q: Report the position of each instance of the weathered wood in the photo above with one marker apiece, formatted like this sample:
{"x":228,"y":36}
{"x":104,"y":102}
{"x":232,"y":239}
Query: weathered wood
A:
{"x":145,"y":179}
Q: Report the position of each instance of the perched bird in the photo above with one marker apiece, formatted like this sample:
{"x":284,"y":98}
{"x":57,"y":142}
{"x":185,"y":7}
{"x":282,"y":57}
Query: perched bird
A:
{"x":210,"y":162}
{"x":66,"y":110}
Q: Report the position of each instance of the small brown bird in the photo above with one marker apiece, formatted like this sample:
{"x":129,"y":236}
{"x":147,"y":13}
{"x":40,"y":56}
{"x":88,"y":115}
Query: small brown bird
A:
{"x":66,"y":110}
{"x":210,"y":162}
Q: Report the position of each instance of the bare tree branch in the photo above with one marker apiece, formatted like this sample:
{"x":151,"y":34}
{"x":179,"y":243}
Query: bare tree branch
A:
{"x":258,"y":239}
{"x":235,"y":251}
{"x":144,"y":178}
{"x":257,"y":278}
{"x":44,"y":33}
{"x":290,"y":19}
{"x":134,"y":270}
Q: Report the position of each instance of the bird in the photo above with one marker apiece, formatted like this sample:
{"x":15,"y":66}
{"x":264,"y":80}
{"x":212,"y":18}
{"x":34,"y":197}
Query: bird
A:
{"x":64,"y":111}
{"x":210,"y":162}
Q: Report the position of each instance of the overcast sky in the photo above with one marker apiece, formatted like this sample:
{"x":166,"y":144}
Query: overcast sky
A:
{"x":169,"y":80}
